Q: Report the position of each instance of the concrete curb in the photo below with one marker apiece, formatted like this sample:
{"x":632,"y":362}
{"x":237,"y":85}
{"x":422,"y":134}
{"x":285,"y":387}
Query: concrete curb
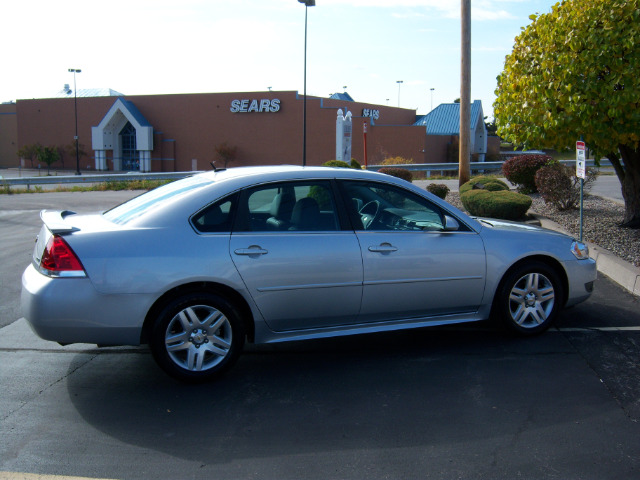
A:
{"x":623,"y":273}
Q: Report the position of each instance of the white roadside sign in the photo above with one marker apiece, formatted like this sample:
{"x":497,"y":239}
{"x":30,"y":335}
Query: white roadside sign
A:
{"x":581,"y":159}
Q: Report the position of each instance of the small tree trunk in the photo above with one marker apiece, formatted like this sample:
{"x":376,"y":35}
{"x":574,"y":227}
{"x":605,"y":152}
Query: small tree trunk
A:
{"x":629,"y":177}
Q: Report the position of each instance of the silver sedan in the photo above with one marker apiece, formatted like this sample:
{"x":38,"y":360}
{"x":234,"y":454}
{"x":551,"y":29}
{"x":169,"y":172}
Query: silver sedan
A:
{"x":269,"y":254}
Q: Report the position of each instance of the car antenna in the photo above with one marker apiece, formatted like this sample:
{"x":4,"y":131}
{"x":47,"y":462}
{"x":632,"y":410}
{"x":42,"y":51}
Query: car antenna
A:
{"x":213,"y":165}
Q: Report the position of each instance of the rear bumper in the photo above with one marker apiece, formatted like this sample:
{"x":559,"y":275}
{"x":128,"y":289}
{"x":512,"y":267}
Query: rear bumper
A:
{"x":70,"y":310}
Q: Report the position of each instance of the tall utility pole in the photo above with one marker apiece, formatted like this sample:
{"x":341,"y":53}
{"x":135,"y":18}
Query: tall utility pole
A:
{"x":464,"y":169}
{"x":399,"y":82}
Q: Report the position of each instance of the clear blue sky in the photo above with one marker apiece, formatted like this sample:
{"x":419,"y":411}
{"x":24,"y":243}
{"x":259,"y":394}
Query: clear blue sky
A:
{"x":191,"y":46}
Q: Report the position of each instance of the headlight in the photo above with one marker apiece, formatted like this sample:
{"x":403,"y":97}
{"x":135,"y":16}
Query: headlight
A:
{"x":579,"y":250}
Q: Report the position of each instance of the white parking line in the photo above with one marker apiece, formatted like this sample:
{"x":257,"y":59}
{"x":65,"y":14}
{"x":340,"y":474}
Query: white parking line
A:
{"x":600,"y":329}
{"x":33,"y":476}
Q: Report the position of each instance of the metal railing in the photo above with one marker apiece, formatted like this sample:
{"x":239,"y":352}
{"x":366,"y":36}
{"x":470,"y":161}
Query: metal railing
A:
{"x":475,"y":166}
{"x":119,"y":177}
{"x":91,"y":179}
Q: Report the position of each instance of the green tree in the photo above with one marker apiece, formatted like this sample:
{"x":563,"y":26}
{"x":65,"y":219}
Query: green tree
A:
{"x":48,"y":156}
{"x":29,"y":152}
{"x":575,"y":72}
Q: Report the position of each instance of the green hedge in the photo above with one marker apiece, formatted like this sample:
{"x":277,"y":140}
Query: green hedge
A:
{"x":438,"y":189}
{"x":502,"y":204}
{"x":484,"y":182}
{"x":336,"y":163}
{"x":486,"y":196}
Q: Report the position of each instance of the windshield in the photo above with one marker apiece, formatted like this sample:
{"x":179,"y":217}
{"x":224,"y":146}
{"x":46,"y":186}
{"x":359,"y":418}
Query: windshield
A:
{"x":138,"y":206}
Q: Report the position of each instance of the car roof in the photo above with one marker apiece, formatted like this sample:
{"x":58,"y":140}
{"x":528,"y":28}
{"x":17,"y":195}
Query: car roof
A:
{"x":288,"y":171}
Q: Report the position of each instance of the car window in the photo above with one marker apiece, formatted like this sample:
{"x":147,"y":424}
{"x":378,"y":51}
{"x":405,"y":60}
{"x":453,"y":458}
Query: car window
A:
{"x":154,"y":199}
{"x":216,"y":218}
{"x":379,"y":206}
{"x":288,"y":207}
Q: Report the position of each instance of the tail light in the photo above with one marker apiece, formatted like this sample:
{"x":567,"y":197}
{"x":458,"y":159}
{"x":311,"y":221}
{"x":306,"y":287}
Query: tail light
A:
{"x":59,"y":260}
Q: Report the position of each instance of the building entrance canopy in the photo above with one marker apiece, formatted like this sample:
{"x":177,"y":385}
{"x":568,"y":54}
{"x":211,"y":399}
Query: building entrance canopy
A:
{"x":108,"y":136}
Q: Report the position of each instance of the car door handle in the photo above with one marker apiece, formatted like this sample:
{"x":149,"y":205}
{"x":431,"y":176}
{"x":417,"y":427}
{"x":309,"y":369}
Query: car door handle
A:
{"x":383,"y":248}
{"x":252,"y":250}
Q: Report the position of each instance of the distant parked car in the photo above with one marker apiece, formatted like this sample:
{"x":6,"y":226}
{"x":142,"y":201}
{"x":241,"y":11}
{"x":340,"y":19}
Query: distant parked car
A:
{"x":269,"y":254}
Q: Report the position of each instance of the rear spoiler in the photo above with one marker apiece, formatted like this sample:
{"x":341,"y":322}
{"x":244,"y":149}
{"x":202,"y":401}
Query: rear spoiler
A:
{"x":54,"y":220}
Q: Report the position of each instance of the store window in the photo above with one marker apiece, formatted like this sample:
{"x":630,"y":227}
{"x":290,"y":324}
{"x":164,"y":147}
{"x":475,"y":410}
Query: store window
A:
{"x":130,"y":156}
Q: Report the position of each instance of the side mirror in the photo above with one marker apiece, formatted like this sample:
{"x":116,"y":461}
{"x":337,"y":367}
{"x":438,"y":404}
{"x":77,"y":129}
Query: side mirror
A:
{"x":450,"y":224}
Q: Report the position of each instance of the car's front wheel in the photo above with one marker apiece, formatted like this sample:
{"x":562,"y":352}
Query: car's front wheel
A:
{"x":530,"y":298}
{"x":197,"y":337}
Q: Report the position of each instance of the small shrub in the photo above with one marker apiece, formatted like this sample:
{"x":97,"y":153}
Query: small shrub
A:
{"x":354,"y":164}
{"x":486,"y":196}
{"x":336,"y":163}
{"x":484,"y":182}
{"x":438,"y":189}
{"x":559,"y":186}
{"x":502,"y":204}
{"x":521,"y":170}
{"x":402,"y":173}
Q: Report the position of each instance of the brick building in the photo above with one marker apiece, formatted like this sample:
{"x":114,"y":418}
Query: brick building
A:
{"x":165,"y":133}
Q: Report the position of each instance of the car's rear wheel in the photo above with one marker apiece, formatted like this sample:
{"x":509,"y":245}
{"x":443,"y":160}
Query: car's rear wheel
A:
{"x":197,"y":337}
{"x":530,"y":298}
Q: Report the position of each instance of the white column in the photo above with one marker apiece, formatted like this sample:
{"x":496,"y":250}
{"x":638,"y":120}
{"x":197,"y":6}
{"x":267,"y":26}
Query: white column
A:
{"x":101,"y":160}
{"x":343,"y":136}
{"x":339,"y":135}
{"x":145,"y":160}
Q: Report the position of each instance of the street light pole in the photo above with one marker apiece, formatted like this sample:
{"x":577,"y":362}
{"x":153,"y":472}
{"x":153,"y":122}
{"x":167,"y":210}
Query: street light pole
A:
{"x":399,"y":82}
{"x":432,"y":89}
{"x":75,"y":108}
{"x":307,"y":4}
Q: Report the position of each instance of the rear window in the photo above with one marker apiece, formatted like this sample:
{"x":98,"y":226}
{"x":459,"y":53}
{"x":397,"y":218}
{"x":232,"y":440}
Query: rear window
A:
{"x":142,"y":204}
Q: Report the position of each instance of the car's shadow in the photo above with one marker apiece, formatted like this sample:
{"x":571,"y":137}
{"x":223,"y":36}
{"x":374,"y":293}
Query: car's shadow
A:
{"x":403,"y":389}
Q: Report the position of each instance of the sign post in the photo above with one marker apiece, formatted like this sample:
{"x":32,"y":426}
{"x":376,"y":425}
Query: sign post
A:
{"x":364,"y":134}
{"x":581,"y":173}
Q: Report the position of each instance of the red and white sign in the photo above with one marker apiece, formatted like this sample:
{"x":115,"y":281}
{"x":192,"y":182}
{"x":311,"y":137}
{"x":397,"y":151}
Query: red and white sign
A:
{"x":581,"y":159}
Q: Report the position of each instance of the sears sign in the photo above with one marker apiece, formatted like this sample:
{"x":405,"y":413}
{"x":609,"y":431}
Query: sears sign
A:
{"x":368,"y":112}
{"x":260,"y":106}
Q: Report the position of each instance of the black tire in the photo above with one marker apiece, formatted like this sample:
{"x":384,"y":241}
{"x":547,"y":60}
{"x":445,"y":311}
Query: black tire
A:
{"x":197,"y":337}
{"x":530,"y":298}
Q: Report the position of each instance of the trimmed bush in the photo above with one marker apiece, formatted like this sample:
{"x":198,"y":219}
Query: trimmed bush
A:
{"x":354,"y":164}
{"x":484,"y":182}
{"x":521,"y":170}
{"x":336,"y":163}
{"x":397,"y":172}
{"x":438,"y":189}
{"x":486,"y":196}
{"x":559,"y":186}
{"x":502,"y":204}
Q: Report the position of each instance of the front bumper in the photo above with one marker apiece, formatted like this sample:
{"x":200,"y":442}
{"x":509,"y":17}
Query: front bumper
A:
{"x":581,"y":274}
